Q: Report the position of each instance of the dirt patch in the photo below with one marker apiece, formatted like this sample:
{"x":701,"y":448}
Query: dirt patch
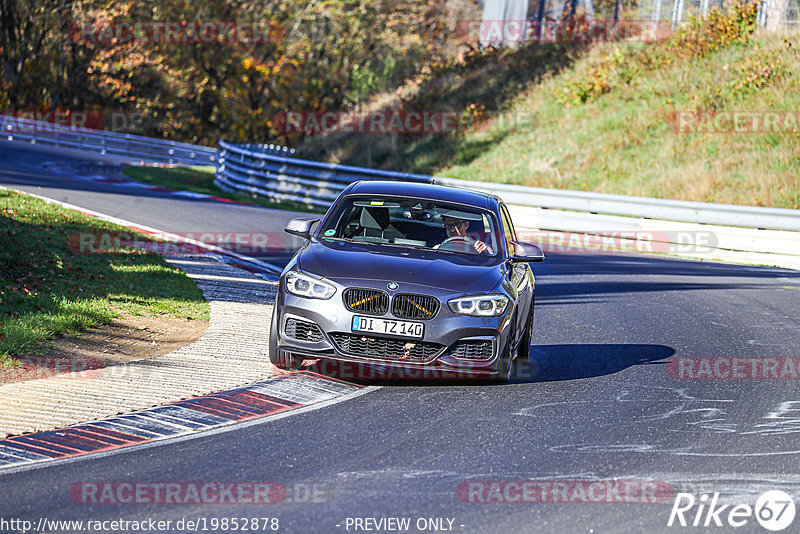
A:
{"x":128,"y":338}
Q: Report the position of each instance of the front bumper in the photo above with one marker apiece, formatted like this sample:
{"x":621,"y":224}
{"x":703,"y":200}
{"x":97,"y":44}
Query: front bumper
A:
{"x":444,"y":338}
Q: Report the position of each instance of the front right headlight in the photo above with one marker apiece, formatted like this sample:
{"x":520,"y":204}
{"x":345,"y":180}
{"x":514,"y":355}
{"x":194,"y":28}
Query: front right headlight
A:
{"x":480,"y":305}
{"x":307,"y":286}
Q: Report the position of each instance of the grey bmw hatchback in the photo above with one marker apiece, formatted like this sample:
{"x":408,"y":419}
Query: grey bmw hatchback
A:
{"x":410,"y":276}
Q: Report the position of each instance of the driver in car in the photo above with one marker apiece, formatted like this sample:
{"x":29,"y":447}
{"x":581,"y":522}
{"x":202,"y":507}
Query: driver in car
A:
{"x":457,"y":228}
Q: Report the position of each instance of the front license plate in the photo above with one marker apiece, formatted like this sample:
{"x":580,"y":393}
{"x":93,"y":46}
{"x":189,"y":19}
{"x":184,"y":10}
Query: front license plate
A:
{"x":377,"y":325}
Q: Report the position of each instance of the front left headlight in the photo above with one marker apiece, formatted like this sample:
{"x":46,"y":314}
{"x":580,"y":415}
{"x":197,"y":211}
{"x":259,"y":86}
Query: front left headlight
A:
{"x":480,"y":305}
{"x":307,"y":286}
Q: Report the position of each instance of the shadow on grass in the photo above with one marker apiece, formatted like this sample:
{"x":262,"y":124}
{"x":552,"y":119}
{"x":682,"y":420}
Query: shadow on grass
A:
{"x":482,"y":86}
{"x":47,"y":287}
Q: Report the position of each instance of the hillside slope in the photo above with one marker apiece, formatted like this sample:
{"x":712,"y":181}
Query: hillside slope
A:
{"x":648,"y":119}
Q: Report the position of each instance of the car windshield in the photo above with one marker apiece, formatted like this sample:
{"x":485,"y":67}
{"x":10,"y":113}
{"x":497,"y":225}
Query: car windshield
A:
{"x":414,"y":223}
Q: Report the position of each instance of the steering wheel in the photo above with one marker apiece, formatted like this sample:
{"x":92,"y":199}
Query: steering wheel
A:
{"x":458,"y":243}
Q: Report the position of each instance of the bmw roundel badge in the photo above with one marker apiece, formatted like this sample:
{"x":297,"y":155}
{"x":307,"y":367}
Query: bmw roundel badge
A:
{"x":392,"y":286}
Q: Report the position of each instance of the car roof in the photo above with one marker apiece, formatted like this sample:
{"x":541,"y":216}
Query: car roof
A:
{"x":442,"y":193}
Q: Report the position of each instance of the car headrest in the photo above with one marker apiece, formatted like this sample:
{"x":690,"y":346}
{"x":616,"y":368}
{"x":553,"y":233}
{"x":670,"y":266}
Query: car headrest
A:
{"x":374,"y":218}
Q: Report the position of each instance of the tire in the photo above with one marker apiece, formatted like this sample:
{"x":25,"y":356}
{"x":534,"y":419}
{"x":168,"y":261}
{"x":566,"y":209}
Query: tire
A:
{"x":524,"y":347}
{"x":506,"y":368}
{"x":280,"y":358}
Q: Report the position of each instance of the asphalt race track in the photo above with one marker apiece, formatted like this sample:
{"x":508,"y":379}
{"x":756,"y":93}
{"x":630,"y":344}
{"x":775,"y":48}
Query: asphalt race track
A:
{"x":596,"y":403}
{"x":21,"y":167}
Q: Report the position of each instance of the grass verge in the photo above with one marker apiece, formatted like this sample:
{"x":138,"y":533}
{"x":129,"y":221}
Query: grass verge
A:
{"x":609,"y":126}
{"x":200,"y":179}
{"x":49,"y":287}
{"x":602,"y":117}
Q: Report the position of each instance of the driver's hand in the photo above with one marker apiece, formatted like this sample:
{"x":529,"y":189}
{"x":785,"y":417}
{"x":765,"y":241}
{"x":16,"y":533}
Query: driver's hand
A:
{"x":482,"y":248}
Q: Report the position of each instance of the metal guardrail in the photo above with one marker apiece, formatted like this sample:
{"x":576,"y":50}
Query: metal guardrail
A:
{"x":744,"y":234}
{"x":313,"y":183}
{"x":136,"y":147}
{"x":317,"y":184}
{"x":644,"y":207}
{"x":272,"y":149}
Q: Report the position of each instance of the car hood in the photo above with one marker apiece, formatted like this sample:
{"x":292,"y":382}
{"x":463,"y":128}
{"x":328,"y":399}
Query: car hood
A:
{"x":342,"y":261}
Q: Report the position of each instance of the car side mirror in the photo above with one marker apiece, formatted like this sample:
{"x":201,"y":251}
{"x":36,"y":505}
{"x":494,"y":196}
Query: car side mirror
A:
{"x":526,"y":252}
{"x":301,"y":226}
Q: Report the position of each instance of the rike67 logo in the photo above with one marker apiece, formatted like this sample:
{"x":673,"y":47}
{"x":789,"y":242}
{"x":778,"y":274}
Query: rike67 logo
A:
{"x":774,"y":510}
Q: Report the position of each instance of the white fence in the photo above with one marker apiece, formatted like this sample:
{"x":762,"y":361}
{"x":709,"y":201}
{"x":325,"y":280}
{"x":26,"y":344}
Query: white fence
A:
{"x":773,"y":14}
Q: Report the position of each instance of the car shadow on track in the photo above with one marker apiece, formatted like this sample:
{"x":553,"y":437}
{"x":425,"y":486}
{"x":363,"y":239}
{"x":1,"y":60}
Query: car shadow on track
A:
{"x":545,"y":363}
{"x":548,"y":363}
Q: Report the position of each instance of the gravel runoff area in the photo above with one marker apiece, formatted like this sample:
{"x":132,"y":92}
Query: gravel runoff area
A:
{"x":232,"y":352}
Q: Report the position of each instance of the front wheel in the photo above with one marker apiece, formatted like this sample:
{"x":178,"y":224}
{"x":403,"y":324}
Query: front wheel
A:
{"x":524,"y":346}
{"x":280,"y":358}
{"x":506,"y":366}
